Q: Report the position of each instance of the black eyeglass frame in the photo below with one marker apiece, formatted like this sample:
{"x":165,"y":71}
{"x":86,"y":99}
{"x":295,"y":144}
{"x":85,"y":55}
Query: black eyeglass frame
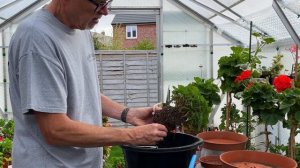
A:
{"x":101,"y":5}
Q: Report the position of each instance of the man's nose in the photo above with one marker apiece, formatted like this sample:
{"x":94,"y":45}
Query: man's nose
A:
{"x":103,"y":11}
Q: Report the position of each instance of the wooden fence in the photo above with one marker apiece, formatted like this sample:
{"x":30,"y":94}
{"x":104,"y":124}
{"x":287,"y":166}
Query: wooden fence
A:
{"x":129,"y":77}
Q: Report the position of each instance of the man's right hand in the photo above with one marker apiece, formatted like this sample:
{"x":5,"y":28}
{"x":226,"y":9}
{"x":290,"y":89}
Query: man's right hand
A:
{"x":148,"y":134}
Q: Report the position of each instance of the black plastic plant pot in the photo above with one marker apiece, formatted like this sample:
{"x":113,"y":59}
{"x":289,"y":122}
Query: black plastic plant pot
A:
{"x":175,"y":151}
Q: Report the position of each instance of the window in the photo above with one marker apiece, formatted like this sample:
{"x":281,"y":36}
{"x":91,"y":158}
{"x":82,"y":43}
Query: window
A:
{"x":131,"y":32}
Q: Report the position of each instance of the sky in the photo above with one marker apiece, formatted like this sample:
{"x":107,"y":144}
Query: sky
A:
{"x":104,"y":25}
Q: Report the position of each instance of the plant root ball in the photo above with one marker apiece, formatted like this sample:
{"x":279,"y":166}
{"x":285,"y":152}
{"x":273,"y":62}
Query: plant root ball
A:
{"x":168,"y":116}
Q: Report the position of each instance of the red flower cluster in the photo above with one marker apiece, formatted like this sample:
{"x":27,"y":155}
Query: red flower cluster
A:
{"x":282,"y":82}
{"x":244,"y":75}
{"x":293,"y":48}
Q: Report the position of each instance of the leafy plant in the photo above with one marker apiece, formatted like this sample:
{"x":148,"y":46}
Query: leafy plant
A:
{"x":97,"y":44}
{"x":279,"y":149}
{"x":276,"y":67}
{"x":261,"y":42}
{"x":237,"y":121}
{"x":192,"y":104}
{"x":6,"y":140}
{"x":208,"y":90}
{"x":144,"y":44}
{"x":116,"y":159}
{"x":232,"y":66}
{"x":229,"y":68}
{"x":106,"y":149}
{"x":290,"y":104}
{"x":263,"y":99}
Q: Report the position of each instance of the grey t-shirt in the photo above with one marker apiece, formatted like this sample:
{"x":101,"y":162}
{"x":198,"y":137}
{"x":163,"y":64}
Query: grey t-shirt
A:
{"x":52,"y":69}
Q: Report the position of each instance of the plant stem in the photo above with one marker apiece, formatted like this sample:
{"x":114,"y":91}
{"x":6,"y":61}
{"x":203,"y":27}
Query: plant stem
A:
{"x":228,"y":105}
{"x":267,"y":138}
{"x":291,"y":146}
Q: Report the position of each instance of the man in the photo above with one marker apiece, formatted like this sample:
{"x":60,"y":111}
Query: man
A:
{"x":54,"y":92}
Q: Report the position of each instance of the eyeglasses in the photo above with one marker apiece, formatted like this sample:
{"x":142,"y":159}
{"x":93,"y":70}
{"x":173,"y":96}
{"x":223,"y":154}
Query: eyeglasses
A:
{"x":100,"y":5}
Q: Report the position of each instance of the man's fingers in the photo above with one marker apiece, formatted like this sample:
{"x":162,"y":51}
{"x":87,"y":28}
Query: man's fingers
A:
{"x":156,"y":107}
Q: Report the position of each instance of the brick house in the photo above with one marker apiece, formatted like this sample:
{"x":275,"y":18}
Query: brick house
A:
{"x":133,"y":28}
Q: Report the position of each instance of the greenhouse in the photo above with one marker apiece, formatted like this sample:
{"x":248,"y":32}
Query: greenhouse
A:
{"x":219,"y":78}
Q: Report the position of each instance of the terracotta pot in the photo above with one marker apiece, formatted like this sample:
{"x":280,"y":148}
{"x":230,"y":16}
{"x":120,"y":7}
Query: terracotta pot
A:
{"x":223,"y":140}
{"x":248,"y":159}
{"x":211,"y":162}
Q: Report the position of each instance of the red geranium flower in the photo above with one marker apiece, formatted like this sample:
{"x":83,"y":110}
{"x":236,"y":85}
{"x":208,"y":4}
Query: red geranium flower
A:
{"x":1,"y":138}
{"x":293,"y":48}
{"x":282,"y":82}
{"x":244,"y":75}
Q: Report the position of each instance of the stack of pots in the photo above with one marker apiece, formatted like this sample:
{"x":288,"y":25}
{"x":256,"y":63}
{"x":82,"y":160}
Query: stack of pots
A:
{"x":217,"y":142}
{"x":223,"y":149}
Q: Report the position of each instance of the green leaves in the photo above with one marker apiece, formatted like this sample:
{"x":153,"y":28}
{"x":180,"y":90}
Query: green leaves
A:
{"x":194,"y":102}
{"x":7,"y":131}
{"x":290,"y":104}
{"x":208,"y":90}
{"x":231,"y":66}
{"x":264,"y":101}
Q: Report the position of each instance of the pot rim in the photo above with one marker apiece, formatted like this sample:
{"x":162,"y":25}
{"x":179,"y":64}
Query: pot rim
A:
{"x":257,"y":155}
{"x":154,"y":149}
{"x":238,"y":141}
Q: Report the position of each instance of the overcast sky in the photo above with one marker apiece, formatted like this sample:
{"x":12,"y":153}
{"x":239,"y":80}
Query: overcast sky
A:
{"x":104,"y":25}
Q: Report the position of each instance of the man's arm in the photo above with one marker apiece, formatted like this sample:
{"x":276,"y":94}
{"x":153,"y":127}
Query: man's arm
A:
{"x":135,"y":116}
{"x":111,"y":108}
{"x":59,"y":129}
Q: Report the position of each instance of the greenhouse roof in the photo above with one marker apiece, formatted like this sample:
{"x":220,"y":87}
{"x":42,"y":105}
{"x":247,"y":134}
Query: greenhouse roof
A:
{"x":233,"y":17}
{"x":228,"y":17}
{"x":12,"y":10}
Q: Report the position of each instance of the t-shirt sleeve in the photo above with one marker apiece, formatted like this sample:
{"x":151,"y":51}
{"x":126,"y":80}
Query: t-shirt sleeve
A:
{"x":42,"y":84}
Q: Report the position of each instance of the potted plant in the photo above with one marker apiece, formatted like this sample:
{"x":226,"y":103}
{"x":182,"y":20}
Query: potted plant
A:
{"x":6,"y":139}
{"x":228,"y":70}
{"x":192,"y":106}
{"x":289,"y":100}
{"x":233,"y":65}
{"x":189,"y":108}
{"x":263,"y":99}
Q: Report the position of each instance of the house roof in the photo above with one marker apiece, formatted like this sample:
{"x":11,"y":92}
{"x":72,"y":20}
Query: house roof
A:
{"x":133,"y":19}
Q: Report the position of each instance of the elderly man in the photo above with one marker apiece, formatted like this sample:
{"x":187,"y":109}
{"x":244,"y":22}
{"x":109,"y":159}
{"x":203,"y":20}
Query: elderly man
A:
{"x":55,"y":96}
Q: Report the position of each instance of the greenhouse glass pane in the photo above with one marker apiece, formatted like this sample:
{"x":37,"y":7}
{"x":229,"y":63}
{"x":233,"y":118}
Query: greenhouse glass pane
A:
{"x":294,"y":5}
{"x":236,"y":31}
{"x":229,"y":2}
{"x":136,"y":3}
{"x":10,"y":11}
{"x":5,"y":2}
{"x":293,"y":19}
{"x":248,"y":7}
{"x":197,"y":8}
{"x":268,"y":21}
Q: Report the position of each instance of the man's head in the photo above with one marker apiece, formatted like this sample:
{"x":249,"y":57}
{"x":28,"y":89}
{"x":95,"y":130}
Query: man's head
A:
{"x":79,"y":14}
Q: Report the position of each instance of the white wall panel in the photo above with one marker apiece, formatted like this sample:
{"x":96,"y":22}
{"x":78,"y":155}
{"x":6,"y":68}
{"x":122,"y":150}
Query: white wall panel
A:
{"x":181,"y":64}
